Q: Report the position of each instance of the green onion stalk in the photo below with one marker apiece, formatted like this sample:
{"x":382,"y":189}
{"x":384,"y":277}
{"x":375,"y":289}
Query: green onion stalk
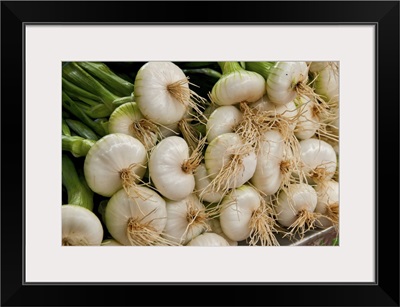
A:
{"x":76,"y":145}
{"x":95,"y":88}
{"x":78,"y":191}
{"x":263,"y":68}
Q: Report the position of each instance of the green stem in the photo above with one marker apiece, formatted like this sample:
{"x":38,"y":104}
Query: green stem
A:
{"x":76,"y":145}
{"x":78,"y":76}
{"x":112,"y":81}
{"x":205,"y":71}
{"x":73,"y":108}
{"x":263,"y":68}
{"x":229,"y":67}
{"x":81,"y":129}
{"x":65,"y":128}
{"x":78,"y":191}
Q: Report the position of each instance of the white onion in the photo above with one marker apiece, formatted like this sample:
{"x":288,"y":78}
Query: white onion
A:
{"x":319,"y":159}
{"x":237,"y":85}
{"x":128,"y":119}
{"x":80,"y":226}
{"x":208,"y":239}
{"x":186,"y":219}
{"x":267,"y":177}
{"x":111,"y":157}
{"x":295,"y":208}
{"x":137,"y":218}
{"x":215,"y":227}
{"x":237,"y":209}
{"x":162,"y":92}
{"x":328,"y":202}
{"x":244,"y":215}
{"x":229,"y":163}
{"x":222,"y":120}
{"x":327,"y":83}
{"x":203,"y":186}
{"x":308,"y":122}
{"x":166,"y":168}
{"x":282,"y":81}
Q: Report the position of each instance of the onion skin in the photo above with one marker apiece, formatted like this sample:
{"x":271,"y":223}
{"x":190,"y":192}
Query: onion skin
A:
{"x":152,"y":96}
{"x":165,"y":168}
{"x":236,"y":212}
{"x":208,"y":239}
{"x":299,"y":197}
{"x":108,"y":157}
{"x":80,"y":226}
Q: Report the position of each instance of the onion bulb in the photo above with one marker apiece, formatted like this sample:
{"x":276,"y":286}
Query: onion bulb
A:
{"x":222,"y":120}
{"x":244,"y":215}
{"x":162,"y":92}
{"x":237,"y":85}
{"x":268,"y":177}
{"x":128,"y":119}
{"x":80,"y":226}
{"x":215,"y":227}
{"x":319,"y":160}
{"x":328,"y":203}
{"x":137,"y":218}
{"x":186,"y":219}
{"x":309,"y":120}
{"x":208,"y":239}
{"x":295,"y":207}
{"x":229,"y":162}
{"x":203,"y":186}
{"x":171,"y":168}
{"x":116,"y":160}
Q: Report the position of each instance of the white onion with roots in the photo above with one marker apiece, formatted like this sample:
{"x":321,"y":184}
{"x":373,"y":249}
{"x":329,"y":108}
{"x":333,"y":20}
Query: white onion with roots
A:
{"x":171,"y":168}
{"x":203,"y":187}
{"x":229,"y":162}
{"x":328,"y":203}
{"x":268,"y":177}
{"x":163,"y":94}
{"x":80,"y":227}
{"x":245,"y":216}
{"x":208,"y":239}
{"x":137,"y":219}
{"x":237,"y":85}
{"x":115,"y":161}
{"x":295,"y":207}
{"x":222,"y":120}
{"x":186,"y":219}
{"x":286,"y":80}
{"x":319,"y":160}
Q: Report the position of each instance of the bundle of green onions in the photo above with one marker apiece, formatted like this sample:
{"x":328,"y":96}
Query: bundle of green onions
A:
{"x":199,"y":153}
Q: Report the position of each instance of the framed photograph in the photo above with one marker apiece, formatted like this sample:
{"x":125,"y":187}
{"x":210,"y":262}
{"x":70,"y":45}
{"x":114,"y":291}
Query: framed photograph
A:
{"x":69,"y":66}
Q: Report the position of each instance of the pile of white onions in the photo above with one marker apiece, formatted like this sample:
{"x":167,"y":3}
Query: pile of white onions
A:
{"x":255,"y":161}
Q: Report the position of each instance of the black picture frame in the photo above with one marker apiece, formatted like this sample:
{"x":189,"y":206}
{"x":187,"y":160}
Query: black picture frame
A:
{"x":383,"y":14}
